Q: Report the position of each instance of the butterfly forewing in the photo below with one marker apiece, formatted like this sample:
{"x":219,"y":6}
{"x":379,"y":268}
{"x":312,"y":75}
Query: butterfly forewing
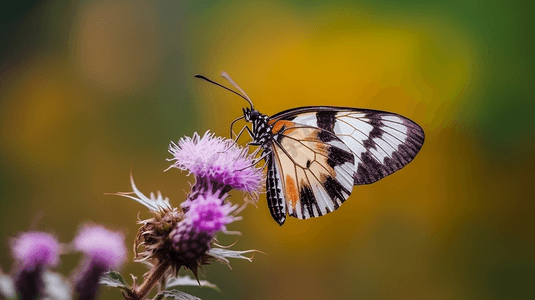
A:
{"x":316,"y":169}
{"x":381,"y":142}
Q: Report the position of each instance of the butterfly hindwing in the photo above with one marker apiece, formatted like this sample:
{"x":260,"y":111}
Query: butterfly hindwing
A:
{"x":381,"y":142}
{"x":275,"y":191}
{"x":315,"y":167}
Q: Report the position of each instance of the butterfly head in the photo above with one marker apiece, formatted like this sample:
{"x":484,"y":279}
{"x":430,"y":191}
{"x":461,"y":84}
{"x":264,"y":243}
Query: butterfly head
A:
{"x":261,"y":128}
{"x":251,"y":114}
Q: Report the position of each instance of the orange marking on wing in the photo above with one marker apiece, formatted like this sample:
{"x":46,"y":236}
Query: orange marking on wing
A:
{"x":280,"y":124}
{"x":322,"y":148}
{"x":291,"y":190}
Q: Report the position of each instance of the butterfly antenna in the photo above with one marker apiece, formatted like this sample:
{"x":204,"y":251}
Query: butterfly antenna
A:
{"x":227,"y":77}
{"x":226,"y":88}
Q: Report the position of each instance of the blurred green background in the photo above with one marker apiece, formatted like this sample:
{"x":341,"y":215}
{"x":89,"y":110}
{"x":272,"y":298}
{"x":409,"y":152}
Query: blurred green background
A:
{"x":92,"y":90}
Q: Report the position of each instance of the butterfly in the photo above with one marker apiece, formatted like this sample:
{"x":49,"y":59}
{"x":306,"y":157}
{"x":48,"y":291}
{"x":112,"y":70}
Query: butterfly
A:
{"x":316,"y":154}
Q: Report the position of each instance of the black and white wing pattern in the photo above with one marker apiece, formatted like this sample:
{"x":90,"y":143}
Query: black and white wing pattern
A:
{"x":317,"y":154}
{"x":381,"y":142}
{"x":310,"y":171}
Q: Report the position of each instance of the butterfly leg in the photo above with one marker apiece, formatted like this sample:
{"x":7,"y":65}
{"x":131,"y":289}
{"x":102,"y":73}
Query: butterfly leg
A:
{"x":232,"y":124}
{"x":260,"y":158}
{"x":235,"y":142}
{"x":241,"y":132}
{"x":256,"y":161}
{"x":255,"y":153}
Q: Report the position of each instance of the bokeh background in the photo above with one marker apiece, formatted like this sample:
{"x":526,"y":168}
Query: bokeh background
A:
{"x":92,"y":90}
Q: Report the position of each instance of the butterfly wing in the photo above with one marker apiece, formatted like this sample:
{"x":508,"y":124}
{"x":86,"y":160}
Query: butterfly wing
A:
{"x":381,"y":142}
{"x":275,"y":190}
{"x":310,"y":171}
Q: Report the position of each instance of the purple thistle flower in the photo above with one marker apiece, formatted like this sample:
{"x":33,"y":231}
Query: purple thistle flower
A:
{"x":174,"y":238}
{"x":209,"y":213}
{"x":218,"y":160}
{"x":36,"y":248}
{"x":104,"y":246}
{"x":104,"y":250}
{"x":192,"y":237}
{"x":34,"y":251}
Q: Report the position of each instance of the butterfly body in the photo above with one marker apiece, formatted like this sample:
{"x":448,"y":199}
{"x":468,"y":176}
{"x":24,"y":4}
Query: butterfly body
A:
{"x":315,"y":155}
{"x":261,"y":132}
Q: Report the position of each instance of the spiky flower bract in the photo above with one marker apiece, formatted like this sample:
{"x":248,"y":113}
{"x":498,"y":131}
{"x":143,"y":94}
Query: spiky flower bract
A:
{"x":183,"y":236}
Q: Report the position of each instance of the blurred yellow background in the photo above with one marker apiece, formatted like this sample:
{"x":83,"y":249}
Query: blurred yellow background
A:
{"x":92,"y":90}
